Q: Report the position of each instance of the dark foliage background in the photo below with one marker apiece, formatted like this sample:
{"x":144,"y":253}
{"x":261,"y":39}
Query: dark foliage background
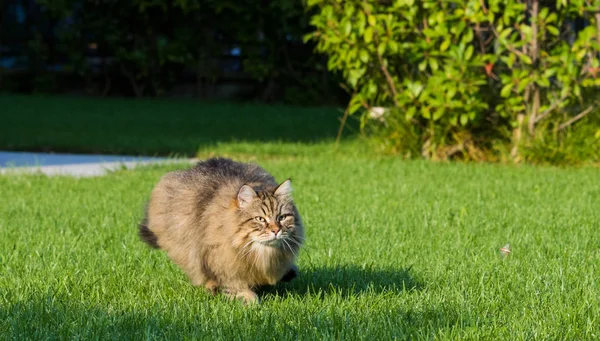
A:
{"x":233,"y":50}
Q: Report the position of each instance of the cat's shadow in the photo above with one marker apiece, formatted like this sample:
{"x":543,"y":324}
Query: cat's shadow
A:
{"x":345,"y":280}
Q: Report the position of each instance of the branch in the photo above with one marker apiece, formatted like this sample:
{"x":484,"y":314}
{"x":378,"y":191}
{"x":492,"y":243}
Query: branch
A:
{"x":534,"y":12}
{"x":576,"y":118}
{"x":343,"y":123}
{"x":510,"y":48}
{"x":480,"y":36}
{"x":534,"y":28}
{"x":550,"y":109}
{"x":382,"y":66}
{"x":389,"y":79}
{"x":482,"y":3}
{"x":597,"y":16}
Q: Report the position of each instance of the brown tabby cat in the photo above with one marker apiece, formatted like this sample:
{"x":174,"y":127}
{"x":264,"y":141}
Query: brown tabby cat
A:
{"x":227,"y":224}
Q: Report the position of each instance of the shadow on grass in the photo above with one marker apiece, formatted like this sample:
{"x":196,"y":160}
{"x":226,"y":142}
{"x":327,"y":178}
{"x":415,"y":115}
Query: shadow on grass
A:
{"x":348,"y":280}
{"x":54,"y":318}
{"x":156,"y":127}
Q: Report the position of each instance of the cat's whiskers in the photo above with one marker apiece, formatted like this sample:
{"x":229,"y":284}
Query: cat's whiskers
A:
{"x":290,"y":247}
{"x":295,"y":242}
{"x":243,"y":248}
{"x":247,"y":252}
{"x":300,"y":238}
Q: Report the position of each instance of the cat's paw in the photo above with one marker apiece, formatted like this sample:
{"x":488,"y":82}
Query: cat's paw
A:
{"x":212,"y":287}
{"x":248,"y":297}
{"x":290,"y":274}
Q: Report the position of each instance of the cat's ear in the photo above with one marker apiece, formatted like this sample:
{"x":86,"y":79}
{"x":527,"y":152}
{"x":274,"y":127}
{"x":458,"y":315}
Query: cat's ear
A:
{"x":245,"y":196}
{"x":285,"y":189}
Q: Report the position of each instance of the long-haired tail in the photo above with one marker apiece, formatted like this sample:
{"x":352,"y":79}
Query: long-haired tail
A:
{"x":146,"y":235}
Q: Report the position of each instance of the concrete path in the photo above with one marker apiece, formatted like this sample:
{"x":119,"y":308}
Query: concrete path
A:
{"x":73,"y":164}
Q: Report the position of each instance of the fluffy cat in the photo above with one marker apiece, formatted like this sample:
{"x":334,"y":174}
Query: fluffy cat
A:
{"x":228,"y":225}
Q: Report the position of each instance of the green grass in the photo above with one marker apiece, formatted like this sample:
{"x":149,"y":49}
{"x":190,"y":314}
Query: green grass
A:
{"x":395,"y":249}
{"x":153,"y":127}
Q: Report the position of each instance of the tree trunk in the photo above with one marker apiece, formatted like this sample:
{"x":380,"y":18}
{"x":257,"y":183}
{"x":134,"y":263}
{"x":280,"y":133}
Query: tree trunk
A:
{"x":138,"y":89}
{"x":514,"y":153}
{"x":267,"y":94}
{"x":534,"y":52}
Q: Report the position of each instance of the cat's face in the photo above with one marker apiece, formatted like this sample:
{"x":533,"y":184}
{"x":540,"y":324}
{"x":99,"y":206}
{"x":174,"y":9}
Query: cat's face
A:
{"x":269,"y":218}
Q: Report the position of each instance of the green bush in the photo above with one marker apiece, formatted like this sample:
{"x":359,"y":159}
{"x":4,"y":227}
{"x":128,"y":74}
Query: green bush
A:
{"x":464,"y":78}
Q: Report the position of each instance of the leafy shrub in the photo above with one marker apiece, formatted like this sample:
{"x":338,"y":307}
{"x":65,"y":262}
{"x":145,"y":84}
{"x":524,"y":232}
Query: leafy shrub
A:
{"x":463,"y":78}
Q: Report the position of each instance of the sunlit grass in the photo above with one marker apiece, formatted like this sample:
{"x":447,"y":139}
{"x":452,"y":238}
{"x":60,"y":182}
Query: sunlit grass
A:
{"x":395,"y":249}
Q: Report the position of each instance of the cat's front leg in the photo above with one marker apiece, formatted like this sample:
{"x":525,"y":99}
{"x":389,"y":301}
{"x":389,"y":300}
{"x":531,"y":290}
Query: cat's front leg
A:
{"x":290,"y":274}
{"x":246,"y":295}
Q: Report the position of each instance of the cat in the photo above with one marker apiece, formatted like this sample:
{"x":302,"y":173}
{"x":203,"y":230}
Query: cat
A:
{"x":228,"y":225}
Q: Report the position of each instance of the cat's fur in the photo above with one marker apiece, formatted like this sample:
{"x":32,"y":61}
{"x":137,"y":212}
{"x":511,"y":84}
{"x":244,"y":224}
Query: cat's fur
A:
{"x":218,"y":221}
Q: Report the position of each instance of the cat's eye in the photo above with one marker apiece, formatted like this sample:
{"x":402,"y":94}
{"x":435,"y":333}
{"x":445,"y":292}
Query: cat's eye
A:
{"x":261,"y":219}
{"x":282,"y":217}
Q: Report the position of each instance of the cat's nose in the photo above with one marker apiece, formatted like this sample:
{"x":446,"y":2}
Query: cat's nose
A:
{"x":275,"y":230}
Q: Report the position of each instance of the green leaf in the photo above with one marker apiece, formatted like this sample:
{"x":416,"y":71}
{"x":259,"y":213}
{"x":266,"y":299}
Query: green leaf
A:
{"x":415,"y":88}
{"x":381,"y":48}
{"x":368,"y":35}
{"x":360,"y":22}
{"x":549,"y":72}
{"x":543,"y":82}
{"x":445,"y":44}
{"x":348,"y":10}
{"x":528,"y":31}
{"x":551,"y":18}
{"x":438,"y":113}
{"x":347,"y":28}
{"x":505,"y":33}
{"x":371,"y":20}
{"x":450,"y":93}
{"x":355,"y":104}
{"x":469,"y":52}
{"x":353,"y":76}
{"x":523,"y":83}
{"x":363,"y":56}
{"x":426,"y":113}
{"x":464,"y":119}
{"x":453,"y":120}
{"x":410,"y":112}
{"x":511,"y":60}
{"x":506,"y":90}
{"x":525,"y":59}
{"x":552,"y":30}
{"x":371,"y":88}
{"x":433,"y":63}
{"x":468,"y":37}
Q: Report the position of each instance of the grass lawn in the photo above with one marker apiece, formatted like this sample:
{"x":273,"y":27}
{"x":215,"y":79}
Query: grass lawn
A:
{"x":395,"y":249}
{"x":153,"y":127}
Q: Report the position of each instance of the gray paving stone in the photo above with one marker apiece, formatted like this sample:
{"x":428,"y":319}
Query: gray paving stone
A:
{"x":74,"y":164}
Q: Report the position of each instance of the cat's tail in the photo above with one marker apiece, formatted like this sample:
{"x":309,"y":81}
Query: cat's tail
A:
{"x":146,"y":235}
